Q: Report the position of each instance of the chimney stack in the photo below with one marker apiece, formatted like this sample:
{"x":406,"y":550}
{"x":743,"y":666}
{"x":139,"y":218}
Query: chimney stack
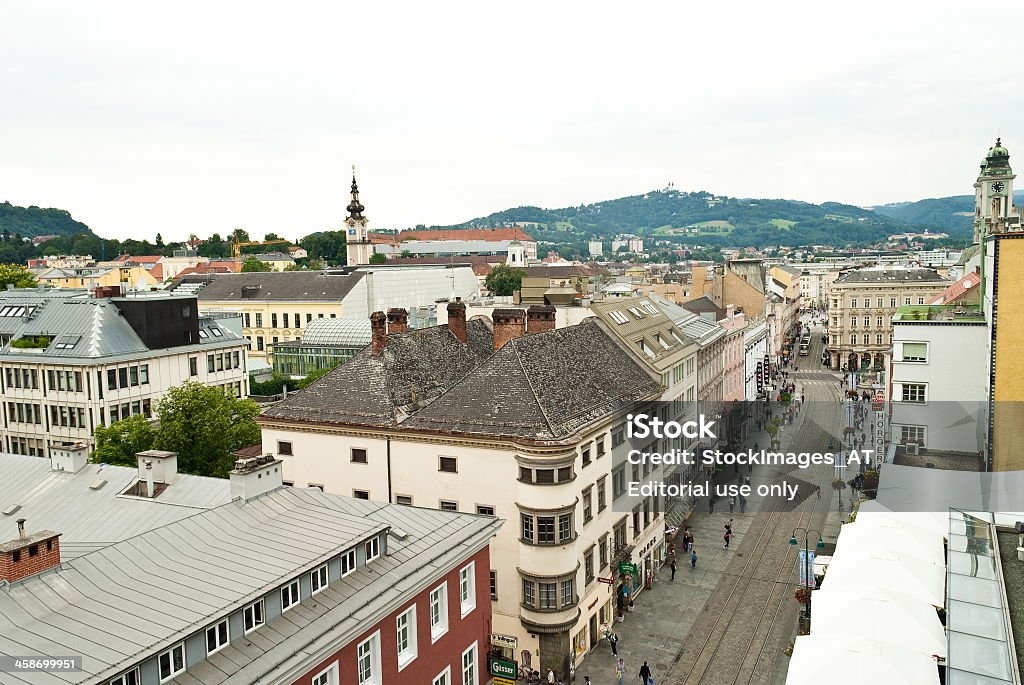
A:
{"x":378,"y":333}
{"x":28,"y":554}
{"x":255,"y":476}
{"x":398,"y":320}
{"x":540,"y":318}
{"x":509,"y":324}
{"x":457,"y":319}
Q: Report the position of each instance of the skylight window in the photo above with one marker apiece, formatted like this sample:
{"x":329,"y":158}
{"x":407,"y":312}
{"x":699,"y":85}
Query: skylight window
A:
{"x":216,"y":332}
{"x":661,"y":341}
{"x":202,"y":333}
{"x":618,"y":317}
{"x":636,"y":312}
{"x":67,"y":342}
{"x":645,"y":348}
{"x":650,"y":308}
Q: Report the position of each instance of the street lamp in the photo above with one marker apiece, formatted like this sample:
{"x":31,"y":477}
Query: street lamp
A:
{"x":808,"y":571}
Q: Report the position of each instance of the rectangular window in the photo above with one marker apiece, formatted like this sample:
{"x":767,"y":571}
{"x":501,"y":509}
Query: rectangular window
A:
{"x":602,"y":551}
{"x":588,"y":565}
{"x":193,"y":366}
{"x":111,"y":379}
{"x":913,"y":392}
{"x":853,"y":339}
{"x":469,"y":666}
{"x":467,"y":589}
{"x":920,"y":300}
{"x":209,"y":363}
{"x":880,"y":303}
{"x":259,"y":320}
{"x":588,"y":510}
{"x":284,"y":448}
{"x":544,"y":476}
{"x":372,"y":549}
{"x":252,"y":616}
{"x":368,"y":661}
{"x":494,"y":584}
{"x":878,"y":321}
{"x":601,"y":500}
{"x":259,"y":343}
{"x":438,"y":611}
{"x":403,"y":499}
{"x":618,"y":437}
{"x":528,"y":593}
{"x":618,"y":482}
{"x":906,"y":300}
{"x":448,"y":465}
{"x":586,"y":456}
{"x":133,"y":376}
{"x":485,"y":510}
{"x":548,"y":595}
{"x":853,"y":303}
{"x":129,"y":678}
{"x":447,"y":505}
{"x":348,"y":562}
{"x":248,"y":321}
{"x":358,"y":455}
{"x":289,"y":595}
{"x":122,"y":376}
{"x":565,"y":527}
{"x":361,"y":494}
{"x":144,"y":374}
{"x":878,"y":338}
{"x":527,"y":528}
{"x":309,"y":317}
{"x":318,"y":579}
{"x":172,"y":662}
{"x":406,"y":634}
{"x":892,"y":302}
{"x":329,"y":676}
{"x":216,"y":637}
{"x":568,"y":592}
{"x":284,"y":320}
{"x":545,"y":530}
{"x":915,"y":352}
{"x":912,"y":435}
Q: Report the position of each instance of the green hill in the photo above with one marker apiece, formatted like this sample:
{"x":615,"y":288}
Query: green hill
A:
{"x":953,"y":214}
{"x":29,"y":222}
{"x":700,"y":217}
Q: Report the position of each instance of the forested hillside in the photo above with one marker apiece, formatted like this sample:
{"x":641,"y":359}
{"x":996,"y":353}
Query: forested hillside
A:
{"x":947,"y":213}
{"x":29,"y":222}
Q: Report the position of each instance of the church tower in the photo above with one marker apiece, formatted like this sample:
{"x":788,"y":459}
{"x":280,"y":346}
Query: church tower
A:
{"x":993,"y":192}
{"x":357,"y":242}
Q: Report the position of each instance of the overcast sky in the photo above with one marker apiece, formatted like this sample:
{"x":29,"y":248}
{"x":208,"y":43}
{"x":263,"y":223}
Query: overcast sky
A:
{"x":196,"y":117}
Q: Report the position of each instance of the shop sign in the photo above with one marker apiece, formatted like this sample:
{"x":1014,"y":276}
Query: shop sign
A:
{"x":506,"y":641}
{"x":503,"y":669}
{"x":627,"y":568}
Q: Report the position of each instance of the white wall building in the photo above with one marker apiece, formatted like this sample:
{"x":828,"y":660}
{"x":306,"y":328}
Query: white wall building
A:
{"x":495,"y":418}
{"x":74,"y":363}
{"x":755,"y":351}
{"x":596,"y":248}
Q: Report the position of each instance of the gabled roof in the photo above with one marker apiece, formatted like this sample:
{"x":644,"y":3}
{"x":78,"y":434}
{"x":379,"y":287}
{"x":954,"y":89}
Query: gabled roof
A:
{"x":489,"y":234}
{"x":542,"y":387}
{"x":272,"y":285}
{"x":891,"y":275}
{"x":378,"y":391}
{"x":705,"y":304}
{"x":963,"y":286}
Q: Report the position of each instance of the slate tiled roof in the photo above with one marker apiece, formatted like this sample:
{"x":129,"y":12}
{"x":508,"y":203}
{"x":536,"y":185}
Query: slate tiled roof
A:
{"x":541,"y":387}
{"x":557,"y":271}
{"x":272,"y":285}
{"x":891,"y":276}
{"x":378,"y":390}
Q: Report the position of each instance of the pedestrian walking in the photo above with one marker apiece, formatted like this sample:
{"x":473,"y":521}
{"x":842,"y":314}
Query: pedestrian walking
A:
{"x":620,"y":671}
{"x":613,"y":640}
{"x":732,"y":504}
{"x":818,"y":490}
{"x":693,"y":557}
{"x":711,"y":505}
{"x":645,"y":674}
{"x":551,"y":677}
{"x":743,"y":504}
{"x":586,"y":680}
{"x":672,"y":565}
{"x":726,"y":537}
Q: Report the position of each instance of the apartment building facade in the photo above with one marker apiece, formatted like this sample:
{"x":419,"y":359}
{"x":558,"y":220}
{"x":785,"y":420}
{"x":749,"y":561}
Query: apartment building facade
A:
{"x":511,"y":418}
{"x":71,"y":363}
{"x":862,"y":305}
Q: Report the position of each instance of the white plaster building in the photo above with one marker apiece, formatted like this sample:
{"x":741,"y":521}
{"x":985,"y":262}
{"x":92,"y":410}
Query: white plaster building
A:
{"x":71,"y":363}
{"x":513,"y":418}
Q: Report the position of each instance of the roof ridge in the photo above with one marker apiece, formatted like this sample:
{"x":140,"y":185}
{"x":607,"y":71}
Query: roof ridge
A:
{"x":533,"y":391}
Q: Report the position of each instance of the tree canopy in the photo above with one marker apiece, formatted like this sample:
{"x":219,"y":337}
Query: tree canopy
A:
{"x":204,"y":425}
{"x":504,"y":280}
{"x":16,"y":275}
{"x":378,"y":258}
{"x":252,"y":264}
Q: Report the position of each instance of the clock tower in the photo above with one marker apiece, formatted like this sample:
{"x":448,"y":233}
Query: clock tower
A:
{"x":357,"y":242}
{"x":993,"y":192}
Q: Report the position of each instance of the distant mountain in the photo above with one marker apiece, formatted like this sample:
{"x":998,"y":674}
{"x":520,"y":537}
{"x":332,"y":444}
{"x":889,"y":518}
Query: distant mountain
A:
{"x":700,"y":217}
{"x":952,"y":214}
{"x":29,"y":222}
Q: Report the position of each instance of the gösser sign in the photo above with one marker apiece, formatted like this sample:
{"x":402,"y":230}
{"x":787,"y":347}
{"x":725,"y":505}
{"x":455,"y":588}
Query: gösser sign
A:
{"x":504,"y":669}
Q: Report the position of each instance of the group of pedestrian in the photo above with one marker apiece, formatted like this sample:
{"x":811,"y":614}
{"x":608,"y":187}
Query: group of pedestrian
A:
{"x":646,"y":677}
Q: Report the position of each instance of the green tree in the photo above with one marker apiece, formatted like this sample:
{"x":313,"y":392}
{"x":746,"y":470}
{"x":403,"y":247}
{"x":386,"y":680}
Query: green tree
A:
{"x":406,"y":254}
{"x":159,"y":242}
{"x":240,"y":235}
{"x":504,"y":280}
{"x":16,"y":275}
{"x":271,"y":236}
{"x":252,"y":264}
{"x":378,"y":258}
{"x":119,"y":442}
{"x":204,"y":426}
{"x":214,"y":246}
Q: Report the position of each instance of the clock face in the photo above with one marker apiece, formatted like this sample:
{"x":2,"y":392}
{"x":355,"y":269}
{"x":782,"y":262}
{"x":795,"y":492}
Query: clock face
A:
{"x":997,"y":187}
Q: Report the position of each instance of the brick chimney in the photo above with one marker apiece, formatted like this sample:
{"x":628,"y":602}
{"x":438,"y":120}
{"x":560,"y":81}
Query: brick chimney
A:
{"x":508,"y":325}
{"x":378,"y":333}
{"x":27,"y":555}
{"x":540,"y":318}
{"x":398,"y":321}
{"x":457,"y":319}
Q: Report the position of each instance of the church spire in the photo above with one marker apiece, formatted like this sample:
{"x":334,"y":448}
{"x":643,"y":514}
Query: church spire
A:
{"x":355,"y":208}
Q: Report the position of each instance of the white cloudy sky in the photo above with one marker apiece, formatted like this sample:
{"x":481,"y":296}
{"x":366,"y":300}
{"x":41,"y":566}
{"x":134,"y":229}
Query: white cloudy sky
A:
{"x":204,"y":116}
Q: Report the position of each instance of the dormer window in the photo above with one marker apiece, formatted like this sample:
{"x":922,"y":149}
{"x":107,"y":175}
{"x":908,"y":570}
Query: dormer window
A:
{"x":372,"y":549}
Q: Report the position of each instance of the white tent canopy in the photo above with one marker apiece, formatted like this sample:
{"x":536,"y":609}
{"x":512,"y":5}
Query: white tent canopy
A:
{"x":855,"y":661}
{"x":900,"y":572}
{"x":861,"y":538}
{"x":905,"y":622}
